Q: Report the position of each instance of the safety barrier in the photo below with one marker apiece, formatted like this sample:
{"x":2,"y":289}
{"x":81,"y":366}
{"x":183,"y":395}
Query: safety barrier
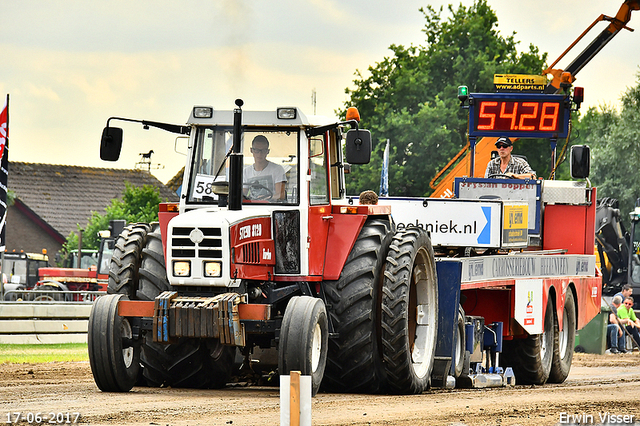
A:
{"x":44,"y":322}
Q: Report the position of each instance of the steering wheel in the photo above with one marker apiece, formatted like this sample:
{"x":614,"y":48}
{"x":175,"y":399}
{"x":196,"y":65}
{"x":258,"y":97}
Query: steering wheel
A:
{"x":502,"y":175}
{"x":261,"y":192}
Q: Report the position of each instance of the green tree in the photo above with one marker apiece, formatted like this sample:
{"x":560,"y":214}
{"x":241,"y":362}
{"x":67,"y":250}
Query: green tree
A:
{"x":410,"y":98}
{"x":138,"y":204}
{"x":615,"y":152}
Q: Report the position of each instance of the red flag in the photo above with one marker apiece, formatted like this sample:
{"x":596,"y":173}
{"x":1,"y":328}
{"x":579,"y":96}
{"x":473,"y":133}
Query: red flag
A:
{"x":4,"y":128}
{"x":4,"y":171}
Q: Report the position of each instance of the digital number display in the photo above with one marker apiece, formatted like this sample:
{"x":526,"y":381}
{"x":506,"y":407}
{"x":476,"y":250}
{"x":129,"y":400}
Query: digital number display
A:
{"x":518,"y":115}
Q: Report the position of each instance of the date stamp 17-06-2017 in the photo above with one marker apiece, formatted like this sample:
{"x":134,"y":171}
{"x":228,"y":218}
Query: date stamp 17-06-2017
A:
{"x":45,"y":417}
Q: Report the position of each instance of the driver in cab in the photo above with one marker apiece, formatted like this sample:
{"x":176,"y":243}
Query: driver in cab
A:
{"x":264,"y":180}
{"x":507,"y":166}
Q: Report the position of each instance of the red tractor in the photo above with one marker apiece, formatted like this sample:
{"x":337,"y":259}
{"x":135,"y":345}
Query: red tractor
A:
{"x":254,"y":259}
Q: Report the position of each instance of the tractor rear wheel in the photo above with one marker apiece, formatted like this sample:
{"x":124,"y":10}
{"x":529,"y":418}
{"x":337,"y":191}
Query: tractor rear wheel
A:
{"x":354,"y":360}
{"x":409,"y":312}
{"x":125,"y":262}
{"x":55,"y":294}
{"x":565,"y":341}
{"x":304,"y":337}
{"x":113,"y":356}
{"x":531,"y":358}
{"x":188,"y":363}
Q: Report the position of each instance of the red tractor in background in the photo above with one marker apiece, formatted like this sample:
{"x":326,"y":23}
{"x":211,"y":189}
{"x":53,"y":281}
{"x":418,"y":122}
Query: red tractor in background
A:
{"x":85,"y":276}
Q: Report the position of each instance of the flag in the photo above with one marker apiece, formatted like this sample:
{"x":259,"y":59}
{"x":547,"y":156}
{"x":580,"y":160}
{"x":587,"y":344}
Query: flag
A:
{"x":4,"y":171}
{"x":384,"y":175}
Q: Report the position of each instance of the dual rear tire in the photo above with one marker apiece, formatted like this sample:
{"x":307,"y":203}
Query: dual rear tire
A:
{"x":384,"y":309}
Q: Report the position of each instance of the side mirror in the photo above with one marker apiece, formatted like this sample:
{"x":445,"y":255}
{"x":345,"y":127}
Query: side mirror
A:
{"x":580,"y":161}
{"x":111,"y":143}
{"x":358,"y":146}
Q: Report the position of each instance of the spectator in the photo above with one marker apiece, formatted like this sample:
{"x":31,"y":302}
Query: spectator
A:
{"x":368,"y":197}
{"x":614,"y":329}
{"x":629,"y":319}
{"x":625,"y":292}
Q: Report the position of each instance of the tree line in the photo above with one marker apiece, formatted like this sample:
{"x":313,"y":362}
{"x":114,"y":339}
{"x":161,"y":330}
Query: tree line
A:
{"x":410,"y":98}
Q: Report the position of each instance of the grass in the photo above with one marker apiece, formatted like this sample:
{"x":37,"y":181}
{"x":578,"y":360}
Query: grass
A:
{"x":64,"y":352}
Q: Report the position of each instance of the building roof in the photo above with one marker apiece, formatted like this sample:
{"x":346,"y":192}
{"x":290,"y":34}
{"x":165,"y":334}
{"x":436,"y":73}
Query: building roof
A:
{"x":64,"y":196}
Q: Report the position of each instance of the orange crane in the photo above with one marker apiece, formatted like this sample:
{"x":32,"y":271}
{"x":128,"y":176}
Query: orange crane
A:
{"x":460,"y":165}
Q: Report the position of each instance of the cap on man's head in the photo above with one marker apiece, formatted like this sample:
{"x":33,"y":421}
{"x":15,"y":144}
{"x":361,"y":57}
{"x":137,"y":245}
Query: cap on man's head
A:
{"x":505,"y":141}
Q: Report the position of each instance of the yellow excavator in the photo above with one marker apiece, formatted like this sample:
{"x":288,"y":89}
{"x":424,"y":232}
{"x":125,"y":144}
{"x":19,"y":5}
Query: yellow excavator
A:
{"x":460,"y":165}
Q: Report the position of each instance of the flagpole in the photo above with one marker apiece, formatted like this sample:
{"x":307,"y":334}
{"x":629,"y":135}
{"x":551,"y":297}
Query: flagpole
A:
{"x":3,"y":220}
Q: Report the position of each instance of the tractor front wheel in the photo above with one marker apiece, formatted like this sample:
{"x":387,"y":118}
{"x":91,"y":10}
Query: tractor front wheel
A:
{"x":304,"y":337}
{"x":113,"y":354}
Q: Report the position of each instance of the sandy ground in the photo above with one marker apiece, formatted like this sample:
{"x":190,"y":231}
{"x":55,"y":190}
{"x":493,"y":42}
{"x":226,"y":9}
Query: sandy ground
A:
{"x":597,"y":386}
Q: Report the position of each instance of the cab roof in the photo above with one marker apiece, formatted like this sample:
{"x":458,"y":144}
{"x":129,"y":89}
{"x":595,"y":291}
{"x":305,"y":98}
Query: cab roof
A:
{"x":257,"y":118}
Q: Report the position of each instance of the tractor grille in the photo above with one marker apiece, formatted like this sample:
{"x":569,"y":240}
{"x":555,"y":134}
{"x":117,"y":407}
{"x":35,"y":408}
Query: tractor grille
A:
{"x":251,"y":253}
{"x":205,"y":243}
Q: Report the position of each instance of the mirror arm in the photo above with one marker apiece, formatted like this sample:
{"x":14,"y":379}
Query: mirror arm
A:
{"x":315,"y":131}
{"x":173,"y":128}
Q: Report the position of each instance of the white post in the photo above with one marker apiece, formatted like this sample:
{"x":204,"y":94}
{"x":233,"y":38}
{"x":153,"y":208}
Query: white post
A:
{"x":295,"y":400}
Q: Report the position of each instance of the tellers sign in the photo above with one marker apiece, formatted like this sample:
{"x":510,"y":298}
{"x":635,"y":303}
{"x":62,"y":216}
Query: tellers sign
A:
{"x":518,"y":115}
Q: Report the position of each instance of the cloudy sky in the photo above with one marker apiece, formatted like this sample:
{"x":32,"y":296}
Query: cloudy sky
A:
{"x":68,"y":65}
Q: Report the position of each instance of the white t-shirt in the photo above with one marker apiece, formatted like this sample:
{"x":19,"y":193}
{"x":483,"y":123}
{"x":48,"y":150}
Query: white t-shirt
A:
{"x":266,"y":177}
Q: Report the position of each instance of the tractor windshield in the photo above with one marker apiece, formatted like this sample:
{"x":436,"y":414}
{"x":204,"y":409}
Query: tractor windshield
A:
{"x":270,"y":173}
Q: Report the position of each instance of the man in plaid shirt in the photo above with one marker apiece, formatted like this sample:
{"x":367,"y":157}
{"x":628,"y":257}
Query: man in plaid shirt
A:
{"x":507,"y":165}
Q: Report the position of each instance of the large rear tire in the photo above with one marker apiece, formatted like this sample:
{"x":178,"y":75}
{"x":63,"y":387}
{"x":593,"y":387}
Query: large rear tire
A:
{"x":354,"y":360}
{"x":531,"y":358}
{"x":304,"y":337}
{"x":409,"y":312}
{"x":564,"y":342}
{"x":114,"y":358}
{"x":125,"y":262}
{"x":188,"y":363}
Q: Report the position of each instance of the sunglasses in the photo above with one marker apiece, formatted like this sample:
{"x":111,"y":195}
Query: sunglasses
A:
{"x":628,"y":304}
{"x":502,"y":145}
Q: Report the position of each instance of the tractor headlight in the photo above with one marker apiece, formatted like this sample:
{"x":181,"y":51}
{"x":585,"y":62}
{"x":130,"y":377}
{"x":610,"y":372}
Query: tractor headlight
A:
{"x":287,"y":113}
{"x":202,"y":112}
{"x":181,"y":268}
{"x":212,"y":269}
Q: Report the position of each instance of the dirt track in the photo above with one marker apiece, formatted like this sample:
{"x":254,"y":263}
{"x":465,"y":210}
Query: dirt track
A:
{"x":597,"y":385}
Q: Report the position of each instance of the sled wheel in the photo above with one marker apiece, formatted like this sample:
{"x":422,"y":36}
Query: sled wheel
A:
{"x":564,"y":342}
{"x":354,"y":360}
{"x":304,"y":337}
{"x":114,"y":358}
{"x":409,"y":312}
{"x":460,"y":345}
{"x":531,"y":357}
